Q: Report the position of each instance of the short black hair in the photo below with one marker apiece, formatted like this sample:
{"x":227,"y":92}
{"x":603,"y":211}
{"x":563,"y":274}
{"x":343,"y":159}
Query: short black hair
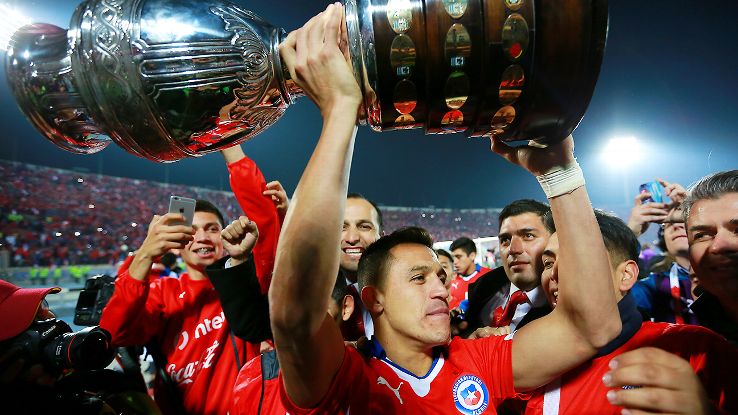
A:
{"x":465,"y":244}
{"x":375,"y":261}
{"x":620,"y":241}
{"x":380,"y":220}
{"x":522,"y":206}
{"x":202,"y":205}
{"x":443,"y":252}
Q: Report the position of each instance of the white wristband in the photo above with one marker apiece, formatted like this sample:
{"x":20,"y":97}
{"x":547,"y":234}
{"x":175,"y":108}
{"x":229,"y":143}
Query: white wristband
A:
{"x":562,"y":180}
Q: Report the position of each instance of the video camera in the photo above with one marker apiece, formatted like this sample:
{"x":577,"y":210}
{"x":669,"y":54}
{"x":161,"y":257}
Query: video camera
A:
{"x":93,"y":299}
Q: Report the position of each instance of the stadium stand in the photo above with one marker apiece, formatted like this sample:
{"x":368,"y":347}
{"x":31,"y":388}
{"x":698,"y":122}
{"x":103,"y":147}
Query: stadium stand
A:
{"x":57,"y":220}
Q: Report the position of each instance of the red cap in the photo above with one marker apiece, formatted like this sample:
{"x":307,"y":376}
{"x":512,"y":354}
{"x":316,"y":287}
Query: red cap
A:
{"x":19,"y":306}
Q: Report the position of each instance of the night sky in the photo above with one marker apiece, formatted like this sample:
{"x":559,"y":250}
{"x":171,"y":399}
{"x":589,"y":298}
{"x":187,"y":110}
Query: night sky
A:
{"x":669,"y":78}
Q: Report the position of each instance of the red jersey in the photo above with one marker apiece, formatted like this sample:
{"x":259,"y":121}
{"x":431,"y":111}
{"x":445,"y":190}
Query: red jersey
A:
{"x":248,"y":185}
{"x":460,"y":286}
{"x":712,"y":358}
{"x":472,"y":377}
{"x":247,"y":393}
{"x":185,"y":318}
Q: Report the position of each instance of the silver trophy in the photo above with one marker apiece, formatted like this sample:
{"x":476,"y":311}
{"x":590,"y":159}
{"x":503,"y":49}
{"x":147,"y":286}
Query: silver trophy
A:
{"x":169,"y":79}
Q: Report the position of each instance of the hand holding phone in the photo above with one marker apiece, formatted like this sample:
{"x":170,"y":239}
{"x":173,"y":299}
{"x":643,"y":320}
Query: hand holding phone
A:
{"x":655,"y":189}
{"x":183,"y":206}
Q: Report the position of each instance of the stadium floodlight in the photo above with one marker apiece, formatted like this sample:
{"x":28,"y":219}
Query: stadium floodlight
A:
{"x":12,"y":21}
{"x":622,"y":152}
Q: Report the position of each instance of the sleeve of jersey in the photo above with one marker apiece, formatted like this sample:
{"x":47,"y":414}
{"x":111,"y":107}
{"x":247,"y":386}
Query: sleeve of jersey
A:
{"x":336,"y":400}
{"x":248,"y":185}
{"x":134,"y":313}
{"x":493,"y":356}
{"x":246,"y":308}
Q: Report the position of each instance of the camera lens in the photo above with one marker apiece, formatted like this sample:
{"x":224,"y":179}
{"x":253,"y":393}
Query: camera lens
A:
{"x":87,"y":349}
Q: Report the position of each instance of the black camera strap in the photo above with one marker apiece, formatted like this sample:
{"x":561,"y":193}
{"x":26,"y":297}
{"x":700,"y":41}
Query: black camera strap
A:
{"x":174,"y":398}
{"x":235,"y":352}
{"x":128,"y":358}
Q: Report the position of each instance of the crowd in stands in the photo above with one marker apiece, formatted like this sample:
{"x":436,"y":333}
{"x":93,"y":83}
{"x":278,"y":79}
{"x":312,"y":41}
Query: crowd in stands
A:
{"x":60,"y":217}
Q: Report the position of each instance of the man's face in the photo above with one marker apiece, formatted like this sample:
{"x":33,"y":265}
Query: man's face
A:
{"x":712,"y":229}
{"x":550,"y":274}
{"x":675,"y":236}
{"x":360,"y":229}
{"x":463,"y":262}
{"x":207,"y":246}
{"x":414,"y":296}
{"x":522,"y":240}
{"x":448,"y":267}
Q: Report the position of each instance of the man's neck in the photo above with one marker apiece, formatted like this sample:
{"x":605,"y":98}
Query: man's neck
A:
{"x":471,"y":270}
{"x":413,"y":357}
{"x":196,"y":273}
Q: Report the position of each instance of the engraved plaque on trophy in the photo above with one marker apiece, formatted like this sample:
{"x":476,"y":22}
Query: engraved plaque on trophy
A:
{"x":169,"y":79}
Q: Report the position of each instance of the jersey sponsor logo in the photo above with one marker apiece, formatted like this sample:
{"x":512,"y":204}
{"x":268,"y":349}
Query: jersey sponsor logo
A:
{"x":203,"y":328}
{"x":470,"y":395}
{"x":383,"y":381}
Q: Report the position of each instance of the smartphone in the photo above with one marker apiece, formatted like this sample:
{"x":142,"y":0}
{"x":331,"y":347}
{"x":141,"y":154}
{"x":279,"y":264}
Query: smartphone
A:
{"x":655,"y":189}
{"x":184,"y":206}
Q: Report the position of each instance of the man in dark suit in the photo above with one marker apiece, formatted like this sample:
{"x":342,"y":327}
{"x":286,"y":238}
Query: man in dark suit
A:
{"x":510,"y":296}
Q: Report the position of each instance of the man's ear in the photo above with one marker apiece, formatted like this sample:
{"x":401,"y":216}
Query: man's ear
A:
{"x":473,"y":256}
{"x":628,"y":275}
{"x":372,"y":299}
{"x":347,"y":307}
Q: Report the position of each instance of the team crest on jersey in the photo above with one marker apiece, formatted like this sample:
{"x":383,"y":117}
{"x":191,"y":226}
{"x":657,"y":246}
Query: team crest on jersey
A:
{"x":470,"y":395}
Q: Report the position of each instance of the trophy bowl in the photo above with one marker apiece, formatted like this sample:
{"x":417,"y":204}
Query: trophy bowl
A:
{"x":169,"y":79}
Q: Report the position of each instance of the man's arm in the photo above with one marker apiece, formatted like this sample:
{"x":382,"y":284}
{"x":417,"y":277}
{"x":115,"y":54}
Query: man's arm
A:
{"x":309,"y":345}
{"x":248,"y":186}
{"x":135,"y":311}
{"x":586,"y":316}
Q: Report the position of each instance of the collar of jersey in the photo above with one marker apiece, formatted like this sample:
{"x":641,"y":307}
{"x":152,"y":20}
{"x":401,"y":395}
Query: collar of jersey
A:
{"x":377,"y":351}
{"x":631,"y":320}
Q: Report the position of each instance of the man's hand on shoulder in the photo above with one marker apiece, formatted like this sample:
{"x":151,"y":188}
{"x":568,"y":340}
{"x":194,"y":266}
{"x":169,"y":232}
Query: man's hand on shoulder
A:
{"x":483,"y":332}
{"x":655,"y":381}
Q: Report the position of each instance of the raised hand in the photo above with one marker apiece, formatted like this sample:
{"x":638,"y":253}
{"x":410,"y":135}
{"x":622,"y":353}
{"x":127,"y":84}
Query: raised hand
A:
{"x":239,"y":239}
{"x":279,"y":197}
{"x":534,"y":158}
{"x":317,"y":60}
{"x":674,"y":191}
{"x":164,"y":235}
{"x":643,"y":214}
